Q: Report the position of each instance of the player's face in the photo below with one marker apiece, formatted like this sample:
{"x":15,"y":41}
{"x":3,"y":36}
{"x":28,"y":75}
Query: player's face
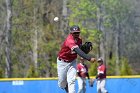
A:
{"x":76,"y":34}
{"x":100,"y":63}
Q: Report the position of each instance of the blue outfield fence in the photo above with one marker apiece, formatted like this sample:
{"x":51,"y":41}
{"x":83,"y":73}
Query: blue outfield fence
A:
{"x":114,"y":84}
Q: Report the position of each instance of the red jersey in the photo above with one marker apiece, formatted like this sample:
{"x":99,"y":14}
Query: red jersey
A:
{"x":66,"y":53}
{"x":101,"y":69}
{"x":82,"y":69}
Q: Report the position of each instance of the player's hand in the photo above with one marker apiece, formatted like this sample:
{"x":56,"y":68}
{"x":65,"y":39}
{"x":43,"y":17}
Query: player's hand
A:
{"x":91,"y":81}
{"x":92,"y":60}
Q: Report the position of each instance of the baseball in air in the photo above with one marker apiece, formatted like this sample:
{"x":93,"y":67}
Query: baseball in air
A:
{"x":56,"y":19}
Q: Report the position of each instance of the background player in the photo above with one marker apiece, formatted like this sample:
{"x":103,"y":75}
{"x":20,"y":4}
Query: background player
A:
{"x":101,"y":76}
{"x":82,"y":72}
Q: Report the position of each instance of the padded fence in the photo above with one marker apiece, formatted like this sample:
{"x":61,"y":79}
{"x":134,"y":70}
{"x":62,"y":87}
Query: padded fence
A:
{"x":116,"y":84}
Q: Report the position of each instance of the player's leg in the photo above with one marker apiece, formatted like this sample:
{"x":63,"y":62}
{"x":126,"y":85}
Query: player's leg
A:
{"x":102,"y":84}
{"x":98,"y":86}
{"x":84,"y":85}
{"x":62,"y":68}
{"x":71,"y":76}
{"x":80,"y":84}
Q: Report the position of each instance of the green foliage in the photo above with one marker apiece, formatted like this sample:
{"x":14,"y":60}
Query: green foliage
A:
{"x":1,"y":73}
{"x":93,"y":69}
{"x":117,"y":11}
{"x":48,"y":49}
{"x":82,"y":11}
{"x":32,"y":72}
{"x":125,"y":67}
{"x":111,"y":66}
{"x":2,"y":64}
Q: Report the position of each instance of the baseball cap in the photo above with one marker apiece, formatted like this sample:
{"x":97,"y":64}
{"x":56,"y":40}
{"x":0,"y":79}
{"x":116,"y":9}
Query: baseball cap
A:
{"x":100,"y":60}
{"x":74,"y":29}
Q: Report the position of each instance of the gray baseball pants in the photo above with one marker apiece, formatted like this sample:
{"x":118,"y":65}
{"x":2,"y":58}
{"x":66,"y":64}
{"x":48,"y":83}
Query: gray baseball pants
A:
{"x":66,"y":74}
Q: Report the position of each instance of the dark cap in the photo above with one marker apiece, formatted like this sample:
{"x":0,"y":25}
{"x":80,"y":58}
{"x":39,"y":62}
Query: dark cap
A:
{"x":74,"y":28}
{"x":100,"y":60}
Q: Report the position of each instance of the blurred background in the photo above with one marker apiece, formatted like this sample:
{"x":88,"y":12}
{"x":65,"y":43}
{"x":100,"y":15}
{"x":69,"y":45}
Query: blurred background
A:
{"x":30,"y":38}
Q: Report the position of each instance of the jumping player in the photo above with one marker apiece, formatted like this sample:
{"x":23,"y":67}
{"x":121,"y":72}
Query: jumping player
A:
{"x":66,"y":60}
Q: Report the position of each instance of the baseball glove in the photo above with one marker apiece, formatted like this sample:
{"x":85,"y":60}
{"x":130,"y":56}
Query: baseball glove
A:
{"x":87,"y":47}
{"x":91,"y":81}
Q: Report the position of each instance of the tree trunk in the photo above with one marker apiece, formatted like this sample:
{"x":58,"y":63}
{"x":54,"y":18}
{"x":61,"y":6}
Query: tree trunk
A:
{"x":35,"y":39}
{"x":117,"y":48}
{"x":35,"y":42}
{"x":8,"y":38}
{"x":64,"y":23}
{"x":101,"y":28}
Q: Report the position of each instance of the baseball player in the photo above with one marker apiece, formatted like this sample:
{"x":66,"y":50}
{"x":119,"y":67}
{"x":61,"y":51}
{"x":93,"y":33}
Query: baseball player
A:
{"x":101,"y":76}
{"x":66,"y":60}
{"x":82,"y":72}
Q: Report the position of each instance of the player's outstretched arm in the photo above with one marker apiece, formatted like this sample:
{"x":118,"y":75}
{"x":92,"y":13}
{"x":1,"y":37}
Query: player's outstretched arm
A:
{"x":84,"y":55}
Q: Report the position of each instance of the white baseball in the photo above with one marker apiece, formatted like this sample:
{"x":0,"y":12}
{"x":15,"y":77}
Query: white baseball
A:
{"x":56,"y":19}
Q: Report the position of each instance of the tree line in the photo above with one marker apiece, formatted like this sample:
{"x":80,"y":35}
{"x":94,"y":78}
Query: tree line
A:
{"x":30,"y":39}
